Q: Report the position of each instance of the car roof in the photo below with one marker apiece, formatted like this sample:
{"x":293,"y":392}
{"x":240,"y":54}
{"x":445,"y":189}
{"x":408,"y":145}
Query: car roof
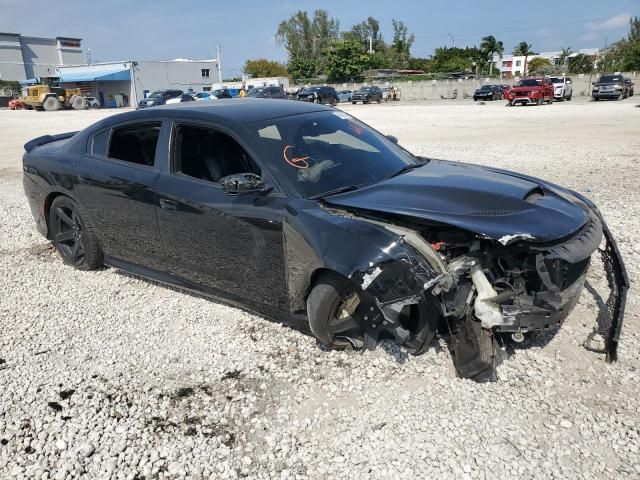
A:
{"x":240,"y":110}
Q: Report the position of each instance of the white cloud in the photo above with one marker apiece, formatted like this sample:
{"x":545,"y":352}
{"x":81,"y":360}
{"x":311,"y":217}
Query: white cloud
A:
{"x":611,"y":23}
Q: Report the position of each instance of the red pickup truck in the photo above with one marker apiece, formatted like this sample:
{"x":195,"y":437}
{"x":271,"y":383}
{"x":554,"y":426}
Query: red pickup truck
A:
{"x":533,"y":90}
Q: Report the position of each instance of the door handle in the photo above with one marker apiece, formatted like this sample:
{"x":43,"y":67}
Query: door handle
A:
{"x":167,"y":204}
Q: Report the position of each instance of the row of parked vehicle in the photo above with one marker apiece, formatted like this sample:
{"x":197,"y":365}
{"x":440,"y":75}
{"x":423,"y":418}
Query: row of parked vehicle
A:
{"x":537,"y":90}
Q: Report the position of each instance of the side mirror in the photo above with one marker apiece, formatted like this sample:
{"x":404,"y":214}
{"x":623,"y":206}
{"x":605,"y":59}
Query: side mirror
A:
{"x":393,"y":138}
{"x":242,"y":183}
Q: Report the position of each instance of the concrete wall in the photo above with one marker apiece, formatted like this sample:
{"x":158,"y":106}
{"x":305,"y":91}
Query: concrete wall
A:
{"x":436,"y":89}
{"x":184,"y":75}
{"x":40,"y":56}
{"x":11,"y":64}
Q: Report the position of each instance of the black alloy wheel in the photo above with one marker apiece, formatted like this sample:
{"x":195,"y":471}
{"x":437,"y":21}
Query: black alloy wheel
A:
{"x":72,"y":237}
{"x":340,"y":314}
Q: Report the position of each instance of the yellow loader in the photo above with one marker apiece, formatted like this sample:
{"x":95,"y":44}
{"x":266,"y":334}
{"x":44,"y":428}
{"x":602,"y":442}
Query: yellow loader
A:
{"x":49,"y":98}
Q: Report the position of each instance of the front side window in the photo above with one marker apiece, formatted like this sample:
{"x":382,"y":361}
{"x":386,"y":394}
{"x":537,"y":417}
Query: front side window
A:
{"x":209,"y":154}
{"x":322,"y":151}
{"x":135,"y":143}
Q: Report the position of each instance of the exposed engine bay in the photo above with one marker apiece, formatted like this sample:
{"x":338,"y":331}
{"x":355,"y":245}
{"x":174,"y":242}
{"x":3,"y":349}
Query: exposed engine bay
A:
{"x":486,"y":289}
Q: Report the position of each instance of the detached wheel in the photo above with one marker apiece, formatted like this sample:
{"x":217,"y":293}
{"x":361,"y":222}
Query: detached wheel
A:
{"x":51,"y":104}
{"x":72,"y":236}
{"x":339,"y":312}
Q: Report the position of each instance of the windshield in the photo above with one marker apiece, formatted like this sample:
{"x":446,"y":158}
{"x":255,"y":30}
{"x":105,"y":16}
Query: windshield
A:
{"x":311,"y":89}
{"x":610,"y":79}
{"x":529,"y":82}
{"x":557,"y":80}
{"x":323,"y":151}
{"x":254,"y":91}
{"x":486,"y":87}
{"x":364,"y":89}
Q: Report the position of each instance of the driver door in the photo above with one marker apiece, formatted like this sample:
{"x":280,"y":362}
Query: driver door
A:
{"x":229,"y":245}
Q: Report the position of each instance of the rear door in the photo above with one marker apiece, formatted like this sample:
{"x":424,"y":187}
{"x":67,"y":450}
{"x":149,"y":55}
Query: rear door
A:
{"x":115,"y":182}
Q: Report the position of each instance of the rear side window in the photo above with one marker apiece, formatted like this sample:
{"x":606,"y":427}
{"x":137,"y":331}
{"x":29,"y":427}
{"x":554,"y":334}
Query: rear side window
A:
{"x":135,"y":143}
{"x":99,"y":144}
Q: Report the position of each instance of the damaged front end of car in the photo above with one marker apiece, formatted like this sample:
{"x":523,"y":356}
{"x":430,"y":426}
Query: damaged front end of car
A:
{"x":483,"y":287}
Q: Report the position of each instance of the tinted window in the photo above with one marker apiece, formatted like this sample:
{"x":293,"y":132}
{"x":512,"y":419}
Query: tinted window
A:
{"x":135,"y":143}
{"x":319,"y":152}
{"x":208,"y":154}
{"x":99,"y":144}
{"x":529,"y":82}
{"x":610,"y":78}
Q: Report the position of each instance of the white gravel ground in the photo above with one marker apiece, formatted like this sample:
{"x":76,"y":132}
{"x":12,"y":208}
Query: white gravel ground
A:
{"x":107,"y":376}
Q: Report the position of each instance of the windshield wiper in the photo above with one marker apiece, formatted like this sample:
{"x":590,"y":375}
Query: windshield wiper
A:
{"x":335,"y":191}
{"x":406,"y":168}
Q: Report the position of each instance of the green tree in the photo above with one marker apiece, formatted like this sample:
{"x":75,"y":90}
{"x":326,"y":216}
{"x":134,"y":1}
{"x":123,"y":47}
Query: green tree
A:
{"x":370,"y":28}
{"x":300,"y":68}
{"x":564,"y":56}
{"x":523,"y":49}
{"x":634,"y":29}
{"x":455,"y":59}
{"x":542,"y":66}
{"x":306,"y":38}
{"x":346,"y":60}
{"x":401,"y":44}
{"x":263,"y":67}
{"x":581,"y":64}
{"x":489,"y":47}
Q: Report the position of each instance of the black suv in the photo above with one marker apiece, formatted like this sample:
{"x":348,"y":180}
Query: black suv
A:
{"x":610,"y":86}
{"x":367,"y":95}
{"x":326,"y":95}
{"x":267,"y":92}
{"x":159,"y":97}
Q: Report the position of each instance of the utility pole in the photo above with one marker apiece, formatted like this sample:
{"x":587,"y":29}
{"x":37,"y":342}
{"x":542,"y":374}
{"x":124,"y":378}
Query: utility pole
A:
{"x":370,"y":44}
{"x":453,"y":40}
{"x":219,"y":63}
{"x":88,"y":56}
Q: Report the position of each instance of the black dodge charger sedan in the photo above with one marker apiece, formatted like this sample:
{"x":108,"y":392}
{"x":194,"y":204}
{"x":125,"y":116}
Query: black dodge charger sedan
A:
{"x":296,"y":210}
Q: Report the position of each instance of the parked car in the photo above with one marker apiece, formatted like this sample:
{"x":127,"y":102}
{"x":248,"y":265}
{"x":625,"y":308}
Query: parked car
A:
{"x":630,"y":86}
{"x":17,"y":104}
{"x":219,"y":94}
{"x":533,"y":90}
{"x":324,"y":94}
{"x":344,"y":96}
{"x":159,"y":97}
{"x":367,"y":95}
{"x":610,"y":86}
{"x":199,"y":96}
{"x":267,"y":92}
{"x":488,"y":92}
{"x":92,"y":102}
{"x":562,"y":88}
{"x":185,"y":97}
{"x":386,"y":94}
{"x":290,"y":208}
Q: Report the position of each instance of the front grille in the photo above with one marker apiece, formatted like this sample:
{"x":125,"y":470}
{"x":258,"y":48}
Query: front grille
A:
{"x":522,"y":94}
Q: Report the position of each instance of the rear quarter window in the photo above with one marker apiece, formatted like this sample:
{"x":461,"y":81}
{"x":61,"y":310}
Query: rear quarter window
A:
{"x":99,"y":144}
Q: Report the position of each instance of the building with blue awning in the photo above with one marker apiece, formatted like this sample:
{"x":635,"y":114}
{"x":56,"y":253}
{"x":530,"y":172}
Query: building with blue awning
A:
{"x":125,"y":83}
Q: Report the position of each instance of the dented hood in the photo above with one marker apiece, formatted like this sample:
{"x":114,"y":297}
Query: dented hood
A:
{"x":496,"y":204}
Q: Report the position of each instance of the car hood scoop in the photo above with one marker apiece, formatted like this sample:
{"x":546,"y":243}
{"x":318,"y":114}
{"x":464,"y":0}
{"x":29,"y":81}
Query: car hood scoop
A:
{"x":495,"y":204}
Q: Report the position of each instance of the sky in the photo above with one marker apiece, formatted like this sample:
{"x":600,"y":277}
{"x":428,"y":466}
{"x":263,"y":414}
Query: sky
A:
{"x":167,"y":29}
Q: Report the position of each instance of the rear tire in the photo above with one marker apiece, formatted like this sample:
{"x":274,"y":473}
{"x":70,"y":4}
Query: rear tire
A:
{"x":72,"y":236}
{"x":51,"y":104}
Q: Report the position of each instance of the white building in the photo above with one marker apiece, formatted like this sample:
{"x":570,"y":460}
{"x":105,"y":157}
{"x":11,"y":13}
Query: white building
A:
{"x":23,"y":58}
{"x":514,"y":65}
{"x":127,"y":82}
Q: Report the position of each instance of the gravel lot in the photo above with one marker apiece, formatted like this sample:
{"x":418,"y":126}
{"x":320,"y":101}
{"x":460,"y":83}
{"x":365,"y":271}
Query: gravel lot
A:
{"x":108,"y":376}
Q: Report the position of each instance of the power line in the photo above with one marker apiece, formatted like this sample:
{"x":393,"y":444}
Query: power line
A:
{"x":469,"y":34}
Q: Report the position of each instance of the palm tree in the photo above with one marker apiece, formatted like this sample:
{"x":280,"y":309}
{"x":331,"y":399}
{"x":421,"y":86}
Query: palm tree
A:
{"x":489,"y":47}
{"x":523,"y":49}
{"x":564,"y":56}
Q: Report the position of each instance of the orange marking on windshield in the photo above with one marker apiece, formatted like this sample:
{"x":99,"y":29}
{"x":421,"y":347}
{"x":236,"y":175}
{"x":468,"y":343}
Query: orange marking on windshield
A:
{"x":298,"y":162}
